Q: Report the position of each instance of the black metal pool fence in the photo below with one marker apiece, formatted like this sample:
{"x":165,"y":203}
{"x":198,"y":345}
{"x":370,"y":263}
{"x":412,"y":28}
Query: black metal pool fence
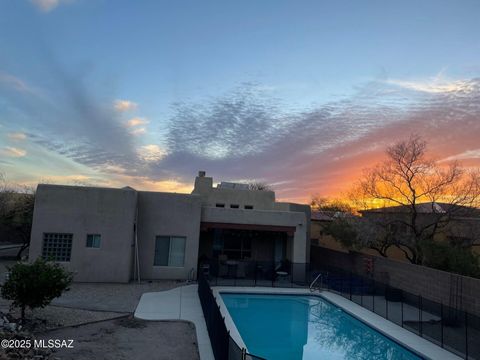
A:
{"x":449,"y":327}
{"x":223,"y":346}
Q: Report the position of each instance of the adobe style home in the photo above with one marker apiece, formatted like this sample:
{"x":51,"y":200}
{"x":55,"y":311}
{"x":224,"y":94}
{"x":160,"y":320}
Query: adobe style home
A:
{"x":115,"y":235}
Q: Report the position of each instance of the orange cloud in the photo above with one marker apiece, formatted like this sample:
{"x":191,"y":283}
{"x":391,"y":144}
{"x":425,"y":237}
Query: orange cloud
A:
{"x":136,"y":121}
{"x":11,"y":151}
{"x":124,"y":105}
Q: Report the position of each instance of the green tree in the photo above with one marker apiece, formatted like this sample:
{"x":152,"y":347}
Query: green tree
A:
{"x":35,"y":285}
{"x":451,"y":257}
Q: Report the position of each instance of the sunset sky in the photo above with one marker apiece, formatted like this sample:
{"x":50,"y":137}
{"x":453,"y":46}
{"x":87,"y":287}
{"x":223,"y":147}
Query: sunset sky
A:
{"x":299,"y":94}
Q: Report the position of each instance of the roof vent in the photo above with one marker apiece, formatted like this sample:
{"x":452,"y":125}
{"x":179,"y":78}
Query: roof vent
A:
{"x":201,"y":173}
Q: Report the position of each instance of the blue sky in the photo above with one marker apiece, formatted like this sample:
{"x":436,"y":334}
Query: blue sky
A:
{"x":299,"y":94}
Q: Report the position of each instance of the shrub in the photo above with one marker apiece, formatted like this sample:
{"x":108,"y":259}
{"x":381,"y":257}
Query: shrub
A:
{"x":35,"y":285}
{"x":447,"y":257}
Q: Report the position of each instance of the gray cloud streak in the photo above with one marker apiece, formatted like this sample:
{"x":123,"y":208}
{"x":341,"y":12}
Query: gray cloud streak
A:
{"x":245,"y":134}
{"x":256,"y":140}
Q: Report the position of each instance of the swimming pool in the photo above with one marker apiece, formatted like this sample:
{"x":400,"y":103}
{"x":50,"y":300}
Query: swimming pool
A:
{"x":306,"y":327}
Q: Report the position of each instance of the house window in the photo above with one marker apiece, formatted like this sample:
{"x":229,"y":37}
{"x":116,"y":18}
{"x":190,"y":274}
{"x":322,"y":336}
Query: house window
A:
{"x":248,"y":207}
{"x":169,"y":251}
{"x":93,"y":240}
{"x":57,"y":247}
{"x":234,"y":206}
{"x":220,"y":205}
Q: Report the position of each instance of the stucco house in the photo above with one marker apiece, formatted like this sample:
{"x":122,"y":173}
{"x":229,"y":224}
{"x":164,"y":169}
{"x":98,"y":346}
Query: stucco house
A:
{"x":116,"y":235}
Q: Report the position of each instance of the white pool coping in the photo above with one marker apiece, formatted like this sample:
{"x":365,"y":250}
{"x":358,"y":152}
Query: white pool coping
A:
{"x":413,"y":342}
{"x":181,"y":303}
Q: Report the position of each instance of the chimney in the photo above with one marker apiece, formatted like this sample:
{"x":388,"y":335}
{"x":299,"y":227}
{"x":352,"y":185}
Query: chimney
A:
{"x":203,"y":184}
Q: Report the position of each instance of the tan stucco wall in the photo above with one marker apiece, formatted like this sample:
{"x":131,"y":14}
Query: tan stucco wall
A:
{"x":319,"y":237}
{"x":259,"y":199}
{"x":81,"y":211}
{"x":308,"y":215}
{"x":112,"y":213}
{"x":167,"y":214}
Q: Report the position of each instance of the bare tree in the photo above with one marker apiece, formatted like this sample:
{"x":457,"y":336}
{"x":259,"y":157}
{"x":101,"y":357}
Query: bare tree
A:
{"x":420,"y":197}
{"x":319,"y":203}
{"x":16,"y":212}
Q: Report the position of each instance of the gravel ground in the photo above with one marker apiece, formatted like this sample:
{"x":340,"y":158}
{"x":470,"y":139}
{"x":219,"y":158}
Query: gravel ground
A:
{"x":128,"y":338}
{"x":54,"y":316}
{"x":110,"y":297}
{"x":105,"y":296}
{"x":109,"y":336}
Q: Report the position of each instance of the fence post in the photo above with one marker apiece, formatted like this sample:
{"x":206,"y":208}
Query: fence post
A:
{"x":420,"y":307}
{"x":350,"y":280}
{"x":362,"y":288}
{"x":273,"y":274}
{"x":255,"y":265}
{"x":386,"y":303}
{"x":373,"y":297}
{"x":304,"y":273}
{"x":292,"y":269}
{"x":441,"y":324}
{"x":244,"y":354}
{"x":401,"y":304}
{"x":466,"y":334}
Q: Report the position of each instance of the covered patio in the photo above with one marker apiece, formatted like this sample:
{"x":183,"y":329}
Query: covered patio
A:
{"x":246,"y":252}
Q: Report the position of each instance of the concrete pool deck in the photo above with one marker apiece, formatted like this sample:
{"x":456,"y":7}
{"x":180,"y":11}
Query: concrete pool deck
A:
{"x":182,"y":303}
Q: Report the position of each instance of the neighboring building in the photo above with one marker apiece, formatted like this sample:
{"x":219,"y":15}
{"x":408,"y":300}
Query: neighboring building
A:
{"x":447,"y":222}
{"x":458,"y":224}
{"x":319,"y":230}
{"x":114,"y":235}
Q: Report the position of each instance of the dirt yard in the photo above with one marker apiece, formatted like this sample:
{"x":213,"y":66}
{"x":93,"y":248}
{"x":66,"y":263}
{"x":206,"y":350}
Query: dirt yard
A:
{"x":89,"y":314}
{"x":128,"y":338}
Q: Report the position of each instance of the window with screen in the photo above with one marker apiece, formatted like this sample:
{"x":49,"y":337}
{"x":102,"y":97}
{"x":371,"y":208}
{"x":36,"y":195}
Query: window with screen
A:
{"x":169,"y":251}
{"x":57,"y":246}
{"x":93,"y":240}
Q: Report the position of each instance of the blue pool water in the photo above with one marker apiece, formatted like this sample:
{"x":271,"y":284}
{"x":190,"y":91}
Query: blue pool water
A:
{"x":293,"y":327}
